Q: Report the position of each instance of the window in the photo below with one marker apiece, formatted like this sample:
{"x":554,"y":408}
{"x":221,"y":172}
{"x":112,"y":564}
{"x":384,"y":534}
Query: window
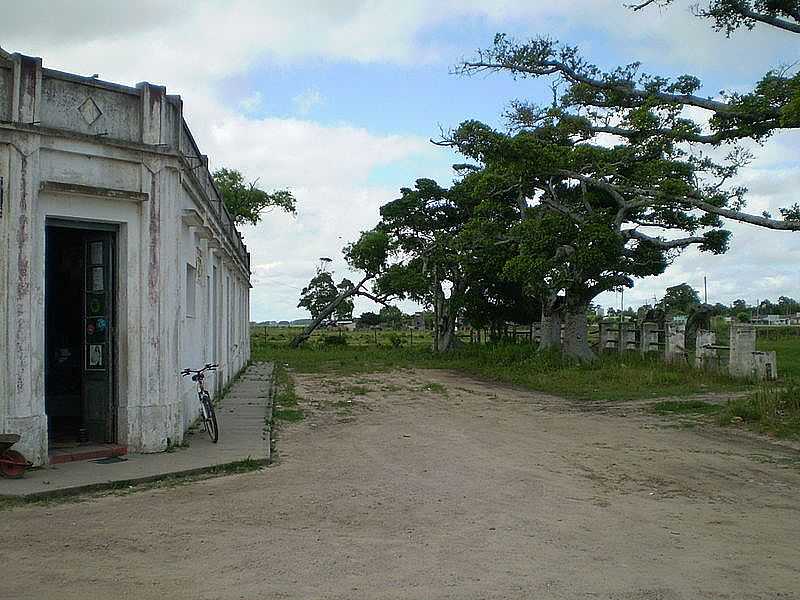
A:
{"x":191,"y":290}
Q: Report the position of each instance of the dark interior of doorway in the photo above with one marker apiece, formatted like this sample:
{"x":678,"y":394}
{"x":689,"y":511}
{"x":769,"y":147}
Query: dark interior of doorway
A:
{"x":64,"y":335}
{"x":71,"y":387}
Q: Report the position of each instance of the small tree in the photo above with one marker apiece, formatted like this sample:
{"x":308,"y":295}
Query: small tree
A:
{"x":681,"y":299}
{"x":245,"y":201}
{"x":344,"y":311}
{"x":392,"y":316}
{"x":369,"y":255}
{"x":319,"y":292}
{"x":369,"y":319}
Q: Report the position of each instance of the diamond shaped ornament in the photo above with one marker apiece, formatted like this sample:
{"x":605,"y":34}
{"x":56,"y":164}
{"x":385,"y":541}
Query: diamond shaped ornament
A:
{"x":90,"y":111}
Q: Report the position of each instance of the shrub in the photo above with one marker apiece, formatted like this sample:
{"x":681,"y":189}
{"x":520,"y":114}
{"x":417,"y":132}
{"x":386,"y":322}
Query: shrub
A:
{"x":334,"y":340}
{"x":774,"y":408}
{"x":396,"y":340}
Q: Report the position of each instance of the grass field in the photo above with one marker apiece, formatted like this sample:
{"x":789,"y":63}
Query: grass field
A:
{"x":785,"y":341}
{"x":614,"y":377}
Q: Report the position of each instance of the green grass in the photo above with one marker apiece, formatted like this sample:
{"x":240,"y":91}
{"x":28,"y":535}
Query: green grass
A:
{"x":357,"y":390}
{"x":774,"y":408}
{"x":691,"y":407}
{"x":613,"y":377}
{"x":362,"y":338}
{"x":292,"y":415}
{"x":787,"y":349}
{"x":436,"y":388}
{"x":286,"y":399}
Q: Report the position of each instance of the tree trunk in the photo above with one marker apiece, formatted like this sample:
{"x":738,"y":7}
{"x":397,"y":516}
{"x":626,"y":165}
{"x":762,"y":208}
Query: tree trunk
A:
{"x":550,"y":337}
{"x":576,"y":342}
{"x":326,"y":312}
{"x":437,"y":310}
{"x":448,"y":339}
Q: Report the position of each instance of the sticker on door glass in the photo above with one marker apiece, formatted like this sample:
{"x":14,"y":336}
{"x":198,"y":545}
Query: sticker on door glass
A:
{"x":96,"y":253}
{"x":95,"y":305}
{"x":95,"y":356}
{"x":97,"y":279}
{"x":96,"y":329}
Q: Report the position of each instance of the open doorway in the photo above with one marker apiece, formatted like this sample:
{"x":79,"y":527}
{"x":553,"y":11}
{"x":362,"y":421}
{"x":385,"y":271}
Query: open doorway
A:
{"x":79,"y":341}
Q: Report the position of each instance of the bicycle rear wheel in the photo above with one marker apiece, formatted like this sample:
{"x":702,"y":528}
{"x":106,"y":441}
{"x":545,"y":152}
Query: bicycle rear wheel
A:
{"x":211,"y":421}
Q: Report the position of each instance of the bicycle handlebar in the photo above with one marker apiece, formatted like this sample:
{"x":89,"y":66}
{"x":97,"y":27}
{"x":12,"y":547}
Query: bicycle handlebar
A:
{"x":208,"y":367}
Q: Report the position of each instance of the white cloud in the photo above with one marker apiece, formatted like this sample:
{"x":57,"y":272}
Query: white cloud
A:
{"x":190,"y":43}
{"x":298,"y":153}
{"x":251,"y":103}
{"x":307,"y":100}
{"x":328,"y":218}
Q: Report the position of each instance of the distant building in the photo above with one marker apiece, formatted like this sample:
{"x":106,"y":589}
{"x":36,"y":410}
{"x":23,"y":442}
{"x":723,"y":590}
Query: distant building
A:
{"x":775,"y":320}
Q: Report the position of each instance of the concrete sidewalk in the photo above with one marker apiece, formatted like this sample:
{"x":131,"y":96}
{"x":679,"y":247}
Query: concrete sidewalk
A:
{"x":243,"y":436}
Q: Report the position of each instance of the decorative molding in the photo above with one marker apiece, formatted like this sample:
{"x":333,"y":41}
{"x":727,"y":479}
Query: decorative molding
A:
{"x":192,"y":218}
{"x":204,"y":232}
{"x":90,"y":111}
{"x":74,"y":189}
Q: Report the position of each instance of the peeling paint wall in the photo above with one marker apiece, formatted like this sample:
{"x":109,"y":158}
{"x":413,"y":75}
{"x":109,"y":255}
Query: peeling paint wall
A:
{"x":91,"y":151}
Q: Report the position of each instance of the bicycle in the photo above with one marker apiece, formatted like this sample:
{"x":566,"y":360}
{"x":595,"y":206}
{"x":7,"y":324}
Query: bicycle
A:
{"x":207,"y":414}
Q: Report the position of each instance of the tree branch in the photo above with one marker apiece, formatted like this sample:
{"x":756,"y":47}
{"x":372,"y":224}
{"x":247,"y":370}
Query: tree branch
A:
{"x":769,"y":19}
{"x":736,"y":215}
{"x":550,"y":67}
{"x":384,"y":301}
{"x":651,"y":197}
{"x":662,"y":243}
{"x":714,"y":138}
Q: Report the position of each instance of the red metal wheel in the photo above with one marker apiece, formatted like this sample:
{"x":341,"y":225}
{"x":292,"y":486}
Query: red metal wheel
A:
{"x":13,"y":464}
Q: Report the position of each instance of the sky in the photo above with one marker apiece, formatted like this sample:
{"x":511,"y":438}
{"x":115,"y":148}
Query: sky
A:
{"x":338,"y":100}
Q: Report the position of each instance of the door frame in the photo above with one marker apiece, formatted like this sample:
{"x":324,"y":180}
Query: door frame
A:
{"x":114,"y":346}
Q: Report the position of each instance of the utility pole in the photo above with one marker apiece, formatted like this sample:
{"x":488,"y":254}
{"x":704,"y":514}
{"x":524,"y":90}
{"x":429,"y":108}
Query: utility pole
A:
{"x":705,"y":290}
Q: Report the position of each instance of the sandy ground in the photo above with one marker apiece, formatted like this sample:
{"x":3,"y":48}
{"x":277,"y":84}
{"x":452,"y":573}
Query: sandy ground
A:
{"x":392,"y":488}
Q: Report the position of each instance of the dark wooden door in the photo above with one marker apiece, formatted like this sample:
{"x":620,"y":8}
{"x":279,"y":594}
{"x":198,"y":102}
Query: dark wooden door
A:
{"x":98,"y":352}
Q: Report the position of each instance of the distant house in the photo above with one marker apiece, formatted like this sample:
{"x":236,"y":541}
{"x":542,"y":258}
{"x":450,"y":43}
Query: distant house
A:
{"x":775,"y":320}
{"x":348,"y":325}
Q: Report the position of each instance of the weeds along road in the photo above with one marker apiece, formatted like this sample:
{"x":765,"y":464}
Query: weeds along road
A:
{"x":426,"y":485}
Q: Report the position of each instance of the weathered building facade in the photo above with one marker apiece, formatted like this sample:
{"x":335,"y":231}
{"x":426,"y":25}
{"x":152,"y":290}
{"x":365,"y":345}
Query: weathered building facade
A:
{"x":119,"y":264}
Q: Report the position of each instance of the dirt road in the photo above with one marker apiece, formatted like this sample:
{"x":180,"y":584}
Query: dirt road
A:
{"x":424,"y":485}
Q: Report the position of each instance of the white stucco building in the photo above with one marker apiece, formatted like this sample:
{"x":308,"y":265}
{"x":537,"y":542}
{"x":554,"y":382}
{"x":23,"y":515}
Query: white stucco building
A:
{"x":119,"y":264}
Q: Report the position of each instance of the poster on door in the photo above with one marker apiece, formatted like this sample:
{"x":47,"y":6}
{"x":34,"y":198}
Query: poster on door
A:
{"x":96,"y":253}
{"x":96,"y":283}
{"x":95,"y":357}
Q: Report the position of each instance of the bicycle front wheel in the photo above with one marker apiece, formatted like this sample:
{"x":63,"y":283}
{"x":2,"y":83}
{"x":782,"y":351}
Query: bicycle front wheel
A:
{"x":211,"y":422}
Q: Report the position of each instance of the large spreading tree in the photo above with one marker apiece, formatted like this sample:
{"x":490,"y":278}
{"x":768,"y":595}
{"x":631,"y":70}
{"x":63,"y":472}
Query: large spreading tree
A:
{"x":583,"y":225}
{"x":614,"y":177}
{"x":641,"y":109}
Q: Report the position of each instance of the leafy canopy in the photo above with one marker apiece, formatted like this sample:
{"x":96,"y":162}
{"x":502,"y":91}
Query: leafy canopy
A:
{"x":245,"y":201}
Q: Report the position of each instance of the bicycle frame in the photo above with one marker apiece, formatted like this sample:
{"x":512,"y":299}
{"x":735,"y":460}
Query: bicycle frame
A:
{"x":206,"y":408}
